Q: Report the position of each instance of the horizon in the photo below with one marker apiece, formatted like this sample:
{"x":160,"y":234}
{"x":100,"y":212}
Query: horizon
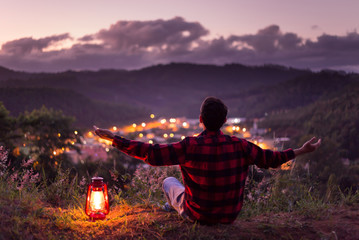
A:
{"x":181,"y":63}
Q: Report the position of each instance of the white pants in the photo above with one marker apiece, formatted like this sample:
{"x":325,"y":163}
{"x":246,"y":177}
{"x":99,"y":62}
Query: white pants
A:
{"x":174,"y":192}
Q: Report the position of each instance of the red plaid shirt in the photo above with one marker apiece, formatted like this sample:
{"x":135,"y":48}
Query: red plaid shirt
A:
{"x":214,"y":167}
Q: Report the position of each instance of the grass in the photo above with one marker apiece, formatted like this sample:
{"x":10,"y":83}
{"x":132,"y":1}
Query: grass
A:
{"x":31,"y":217}
{"x":139,"y":222}
{"x":278,"y":208}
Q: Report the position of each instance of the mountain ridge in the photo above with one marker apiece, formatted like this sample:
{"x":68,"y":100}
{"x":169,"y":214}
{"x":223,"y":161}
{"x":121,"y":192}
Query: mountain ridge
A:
{"x":177,"y":89}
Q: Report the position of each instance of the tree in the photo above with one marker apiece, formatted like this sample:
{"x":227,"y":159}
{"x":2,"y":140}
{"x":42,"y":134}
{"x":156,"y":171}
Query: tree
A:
{"x":47,"y":135}
{"x":7,"y":124}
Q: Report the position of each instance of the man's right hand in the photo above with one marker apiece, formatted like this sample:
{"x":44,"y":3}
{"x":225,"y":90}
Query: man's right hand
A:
{"x":308,"y":147}
{"x":104,"y":133}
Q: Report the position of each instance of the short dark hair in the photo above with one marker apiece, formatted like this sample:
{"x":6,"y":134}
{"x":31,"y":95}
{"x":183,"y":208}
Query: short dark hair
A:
{"x":214,"y":113}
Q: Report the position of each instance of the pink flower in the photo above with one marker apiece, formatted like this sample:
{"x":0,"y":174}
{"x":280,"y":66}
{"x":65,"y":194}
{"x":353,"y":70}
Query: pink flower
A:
{"x":27,"y":163}
{"x":83,"y":181}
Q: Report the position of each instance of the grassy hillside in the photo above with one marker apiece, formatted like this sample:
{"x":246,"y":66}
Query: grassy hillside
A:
{"x":28,"y":211}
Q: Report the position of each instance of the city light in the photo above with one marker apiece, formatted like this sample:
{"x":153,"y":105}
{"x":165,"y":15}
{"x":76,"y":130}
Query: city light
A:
{"x":150,"y":135}
{"x":160,"y":131}
{"x":59,"y":134}
{"x":152,"y":116}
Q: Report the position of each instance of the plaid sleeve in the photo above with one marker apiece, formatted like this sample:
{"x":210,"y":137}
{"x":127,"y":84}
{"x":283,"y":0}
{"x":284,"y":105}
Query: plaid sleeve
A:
{"x":265,"y":158}
{"x":153,"y":154}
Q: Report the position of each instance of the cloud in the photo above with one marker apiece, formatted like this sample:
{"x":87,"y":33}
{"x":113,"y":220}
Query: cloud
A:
{"x":24,"y":46}
{"x":136,"y":44}
{"x":136,"y":35}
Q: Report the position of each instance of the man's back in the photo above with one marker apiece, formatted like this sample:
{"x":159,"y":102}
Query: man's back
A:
{"x":214,"y":173}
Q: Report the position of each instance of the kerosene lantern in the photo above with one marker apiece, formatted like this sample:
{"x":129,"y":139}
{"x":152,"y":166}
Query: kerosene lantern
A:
{"x":97,"y":206}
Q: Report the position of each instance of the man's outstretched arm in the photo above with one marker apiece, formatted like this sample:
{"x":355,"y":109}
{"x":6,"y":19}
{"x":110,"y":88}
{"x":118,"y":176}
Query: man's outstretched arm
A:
{"x":308,"y":147}
{"x":153,"y":154}
{"x":265,"y":158}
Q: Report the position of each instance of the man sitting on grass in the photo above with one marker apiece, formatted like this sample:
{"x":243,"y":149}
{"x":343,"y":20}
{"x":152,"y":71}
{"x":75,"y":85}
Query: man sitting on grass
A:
{"x":214,"y":166}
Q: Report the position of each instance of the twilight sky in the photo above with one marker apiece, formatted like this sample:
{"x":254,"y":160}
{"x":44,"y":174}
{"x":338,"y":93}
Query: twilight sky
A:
{"x":42,"y":35}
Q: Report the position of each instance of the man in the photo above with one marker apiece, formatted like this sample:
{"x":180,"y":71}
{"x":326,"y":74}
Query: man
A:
{"x":214,"y":166}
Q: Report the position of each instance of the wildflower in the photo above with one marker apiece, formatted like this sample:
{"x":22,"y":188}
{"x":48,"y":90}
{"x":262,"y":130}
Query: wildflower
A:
{"x":27,"y":163}
{"x":13,"y":177}
{"x":3,"y":159}
{"x":83,"y":182}
{"x":114,"y":176}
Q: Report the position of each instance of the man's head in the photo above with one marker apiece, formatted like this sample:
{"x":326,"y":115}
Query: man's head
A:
{"x":213,"y":113}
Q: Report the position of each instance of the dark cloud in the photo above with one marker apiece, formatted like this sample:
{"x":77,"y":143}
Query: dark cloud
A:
{"x":86,"y":38}
{"x":265,"y":40}
{"x":269,"y":40}
{"x":135,"y":44}
{"x":161,"y":34}
{"x":26,"y":46}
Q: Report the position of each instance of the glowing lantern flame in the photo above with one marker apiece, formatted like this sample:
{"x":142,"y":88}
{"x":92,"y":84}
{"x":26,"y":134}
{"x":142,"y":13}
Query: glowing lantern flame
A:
{"x":97,"y":200}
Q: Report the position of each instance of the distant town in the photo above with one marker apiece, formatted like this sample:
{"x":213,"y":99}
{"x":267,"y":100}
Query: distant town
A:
{"x":168,"y":130}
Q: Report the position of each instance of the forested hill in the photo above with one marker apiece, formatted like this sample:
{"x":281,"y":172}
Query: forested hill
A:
{"x":175,"y":89}
{"x":86,"y":110}
{"x":297,"y":92}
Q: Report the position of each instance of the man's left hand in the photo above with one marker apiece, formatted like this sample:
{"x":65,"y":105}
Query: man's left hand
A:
{"x":104,"y":133}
